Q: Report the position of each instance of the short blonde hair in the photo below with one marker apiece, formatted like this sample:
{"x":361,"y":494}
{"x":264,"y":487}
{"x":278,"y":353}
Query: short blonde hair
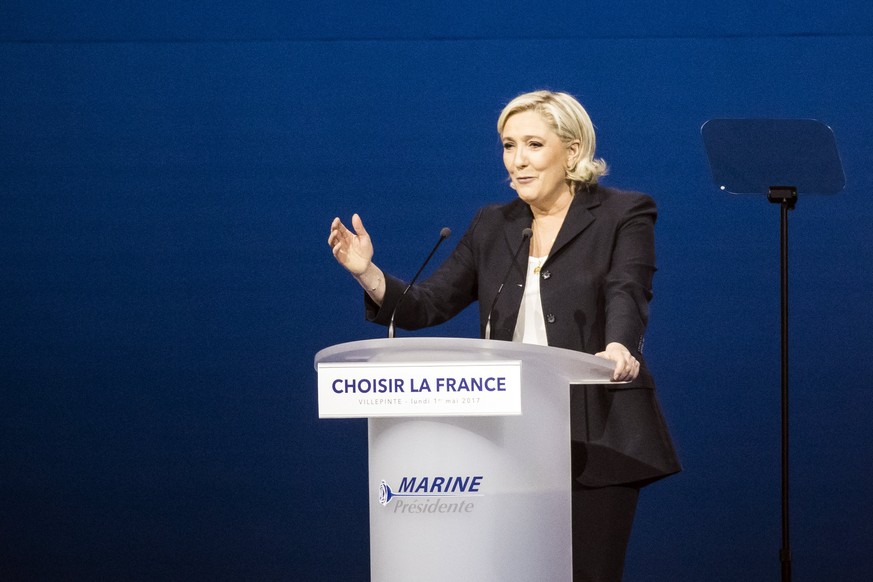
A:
{"x":569,"y":120}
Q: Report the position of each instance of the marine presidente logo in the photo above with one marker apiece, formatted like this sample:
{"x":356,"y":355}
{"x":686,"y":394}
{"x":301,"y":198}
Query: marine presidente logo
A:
{"x":428,"y":494}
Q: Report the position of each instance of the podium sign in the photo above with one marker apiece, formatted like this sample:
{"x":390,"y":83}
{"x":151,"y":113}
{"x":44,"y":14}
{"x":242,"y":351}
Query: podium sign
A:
{"x":372,"y":390}
{"x":460,"y":493}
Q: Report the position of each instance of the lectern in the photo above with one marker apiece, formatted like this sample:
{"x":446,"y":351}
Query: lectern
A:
{"x":469,"y":453}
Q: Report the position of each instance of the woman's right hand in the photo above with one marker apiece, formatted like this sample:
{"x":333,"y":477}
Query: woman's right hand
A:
{"x":352,"y":250}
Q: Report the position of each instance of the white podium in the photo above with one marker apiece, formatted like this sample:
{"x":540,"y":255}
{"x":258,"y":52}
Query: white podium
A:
{"x":460,"y":489}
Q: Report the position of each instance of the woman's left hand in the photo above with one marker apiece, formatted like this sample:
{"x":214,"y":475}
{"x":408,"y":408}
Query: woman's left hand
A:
{"x":627,"y":367}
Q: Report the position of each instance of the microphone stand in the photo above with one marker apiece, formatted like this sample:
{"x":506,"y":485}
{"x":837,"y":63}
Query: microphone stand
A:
{"x":525,"y":235}
{"x":444,"y":234}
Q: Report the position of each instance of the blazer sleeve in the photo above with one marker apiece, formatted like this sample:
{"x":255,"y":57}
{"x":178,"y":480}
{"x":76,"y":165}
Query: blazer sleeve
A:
{"x":441,"y":296}
{"x":628,"y":284}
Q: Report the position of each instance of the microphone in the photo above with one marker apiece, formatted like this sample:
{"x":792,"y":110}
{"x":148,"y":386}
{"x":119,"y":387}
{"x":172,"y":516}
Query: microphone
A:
{"x":444,"y":234}
{"x":525,"y":235}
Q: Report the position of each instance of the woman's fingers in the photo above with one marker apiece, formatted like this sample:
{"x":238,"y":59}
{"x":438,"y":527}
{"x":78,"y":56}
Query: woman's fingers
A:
{"x":627,"y":370}
{"x":627,"y":367}
{"x":358,"y":225}
{"x":353,"y":250}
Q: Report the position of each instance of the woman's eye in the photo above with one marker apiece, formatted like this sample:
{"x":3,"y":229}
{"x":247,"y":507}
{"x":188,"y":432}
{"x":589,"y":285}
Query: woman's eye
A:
{"x":507,"y":146}
{"x":535,"y":144}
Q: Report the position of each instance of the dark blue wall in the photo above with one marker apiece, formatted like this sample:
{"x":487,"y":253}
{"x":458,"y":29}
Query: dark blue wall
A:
{"x":168,"y":172}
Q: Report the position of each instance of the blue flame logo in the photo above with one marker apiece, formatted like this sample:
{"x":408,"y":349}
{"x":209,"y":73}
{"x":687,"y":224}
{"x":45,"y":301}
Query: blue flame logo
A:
{"x":386,"y":495}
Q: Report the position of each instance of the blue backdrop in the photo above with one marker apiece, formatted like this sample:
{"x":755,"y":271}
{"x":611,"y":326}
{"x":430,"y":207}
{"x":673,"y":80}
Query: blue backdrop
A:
{"x":168,"y":172}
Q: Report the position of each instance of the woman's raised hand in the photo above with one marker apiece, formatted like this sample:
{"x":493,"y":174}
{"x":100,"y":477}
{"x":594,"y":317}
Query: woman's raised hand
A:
{"x":352,"y":250}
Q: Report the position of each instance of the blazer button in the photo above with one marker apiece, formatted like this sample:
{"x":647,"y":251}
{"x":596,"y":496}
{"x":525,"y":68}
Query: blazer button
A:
{"x":550,"y":318}
{"x":546,"y":274}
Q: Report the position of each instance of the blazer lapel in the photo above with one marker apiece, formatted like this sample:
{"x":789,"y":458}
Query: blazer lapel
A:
{"x":579,"y":217}
{"x":518,"y":218}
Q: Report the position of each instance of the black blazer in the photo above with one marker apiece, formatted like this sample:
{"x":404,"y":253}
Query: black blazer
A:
{"x":595,"y":288}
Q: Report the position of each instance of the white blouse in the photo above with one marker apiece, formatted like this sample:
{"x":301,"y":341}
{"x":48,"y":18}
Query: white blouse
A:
{"x":531,"y":325}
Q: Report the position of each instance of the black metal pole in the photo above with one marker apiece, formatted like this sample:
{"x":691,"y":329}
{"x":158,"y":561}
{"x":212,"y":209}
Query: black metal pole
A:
{"x":785,"y":553}
{"x":786,"y":197}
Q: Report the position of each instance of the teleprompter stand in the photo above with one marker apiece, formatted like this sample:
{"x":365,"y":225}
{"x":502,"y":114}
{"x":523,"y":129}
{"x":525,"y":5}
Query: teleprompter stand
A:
{"x":778,"y":158}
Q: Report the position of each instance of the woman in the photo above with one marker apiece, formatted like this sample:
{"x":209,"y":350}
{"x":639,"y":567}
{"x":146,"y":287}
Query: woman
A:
{"x":585,"y":285}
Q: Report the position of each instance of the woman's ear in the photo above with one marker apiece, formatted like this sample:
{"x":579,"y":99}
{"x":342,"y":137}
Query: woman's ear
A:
{"x":574,"y":150}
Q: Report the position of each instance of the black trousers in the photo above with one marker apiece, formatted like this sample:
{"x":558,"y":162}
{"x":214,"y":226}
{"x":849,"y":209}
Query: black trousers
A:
{"x":602,"y":522}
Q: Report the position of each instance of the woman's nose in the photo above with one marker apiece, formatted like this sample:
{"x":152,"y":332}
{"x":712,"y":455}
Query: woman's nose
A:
{"x":520,"y":158}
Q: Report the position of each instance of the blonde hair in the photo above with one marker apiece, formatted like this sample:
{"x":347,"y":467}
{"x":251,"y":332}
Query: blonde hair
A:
{"x":569,"y":120}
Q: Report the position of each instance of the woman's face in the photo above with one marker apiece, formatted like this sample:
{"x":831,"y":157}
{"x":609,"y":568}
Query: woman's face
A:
{"x":536,"y":159}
